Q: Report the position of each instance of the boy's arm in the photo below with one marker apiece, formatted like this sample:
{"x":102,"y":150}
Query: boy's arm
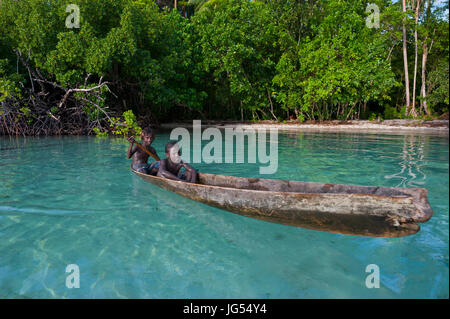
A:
{"x":131,"y":149}
{"x":191,"y":173}
{"x":163,"y":172}
{"x":188,"y":167}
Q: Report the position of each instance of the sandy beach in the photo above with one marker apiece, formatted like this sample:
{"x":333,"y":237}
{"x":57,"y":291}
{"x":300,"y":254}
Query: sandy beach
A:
{"x":386,"y":126}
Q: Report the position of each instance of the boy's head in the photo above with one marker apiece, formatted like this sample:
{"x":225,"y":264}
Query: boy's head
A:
{"x":147,"y":135}
{"x":173,"y":152}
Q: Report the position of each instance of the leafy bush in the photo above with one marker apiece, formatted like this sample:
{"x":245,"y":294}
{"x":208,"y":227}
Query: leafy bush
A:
{"x":99,"y":133}
{"x":390,"y":113}
{"x":126,"y":127}
{"x":375,"y":117}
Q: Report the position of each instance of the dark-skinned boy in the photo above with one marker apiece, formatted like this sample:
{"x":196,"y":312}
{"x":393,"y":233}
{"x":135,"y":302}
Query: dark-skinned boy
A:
{"x":140,"y":158}
{"x":170,"y":166}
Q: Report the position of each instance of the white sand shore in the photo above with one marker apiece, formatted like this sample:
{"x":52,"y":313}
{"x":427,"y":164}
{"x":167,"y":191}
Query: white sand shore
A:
{"x":387,"y":126}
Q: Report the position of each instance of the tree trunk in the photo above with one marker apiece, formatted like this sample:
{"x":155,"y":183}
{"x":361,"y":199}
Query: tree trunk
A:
{"x":423,"y":101}
{"x":423,"y":90}
{"x":271,"y":106}
{"x":413,"y":105}
{"x":405,"y":60}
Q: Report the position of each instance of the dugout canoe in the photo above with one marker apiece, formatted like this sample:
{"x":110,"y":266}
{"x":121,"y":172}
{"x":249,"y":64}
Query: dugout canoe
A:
{"x":337,"y":208}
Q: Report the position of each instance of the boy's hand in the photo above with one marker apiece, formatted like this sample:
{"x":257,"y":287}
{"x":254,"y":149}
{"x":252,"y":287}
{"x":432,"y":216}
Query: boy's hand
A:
{"x":186,"y":165}
{"x":131,"y":139}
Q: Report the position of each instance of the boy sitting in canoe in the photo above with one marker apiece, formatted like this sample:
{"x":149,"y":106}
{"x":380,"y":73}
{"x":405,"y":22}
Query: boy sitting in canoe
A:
{"x":170,"y":166}
{"x":140,"y":157}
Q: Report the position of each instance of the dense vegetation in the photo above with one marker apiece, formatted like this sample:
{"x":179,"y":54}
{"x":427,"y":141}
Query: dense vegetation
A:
{"x":217,"y":59}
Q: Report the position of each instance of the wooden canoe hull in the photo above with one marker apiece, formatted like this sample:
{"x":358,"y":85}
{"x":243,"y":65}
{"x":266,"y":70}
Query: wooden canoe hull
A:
{"x":342,"y":209}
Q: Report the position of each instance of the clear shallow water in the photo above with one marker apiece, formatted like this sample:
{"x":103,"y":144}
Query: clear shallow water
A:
{"x":73,"y":200}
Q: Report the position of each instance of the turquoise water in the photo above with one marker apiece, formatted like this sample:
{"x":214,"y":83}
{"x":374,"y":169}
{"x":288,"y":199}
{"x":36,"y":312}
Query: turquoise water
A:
{"x":73,"y":200}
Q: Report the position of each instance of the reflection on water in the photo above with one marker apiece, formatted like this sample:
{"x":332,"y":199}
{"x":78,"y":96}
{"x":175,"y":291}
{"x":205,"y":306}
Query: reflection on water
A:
{"x":74,"y":200}
{"x":411,"y":163}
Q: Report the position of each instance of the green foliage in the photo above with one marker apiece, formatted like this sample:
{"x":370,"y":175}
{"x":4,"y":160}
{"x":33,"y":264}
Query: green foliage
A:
{"x":238,"y":48}
{"x":199,"y":5}
{"x":341,"y":63}
{"x":26,"y":111}
{"x":266,"y":59}
{"x":99,"y":133}
{"x":439,"y":85}
{"x":375,"y":117}
{"x":426,"y":117}
{"x":9,"y":82}
{"x":390,"y":112}
{"x":126,"y":127}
